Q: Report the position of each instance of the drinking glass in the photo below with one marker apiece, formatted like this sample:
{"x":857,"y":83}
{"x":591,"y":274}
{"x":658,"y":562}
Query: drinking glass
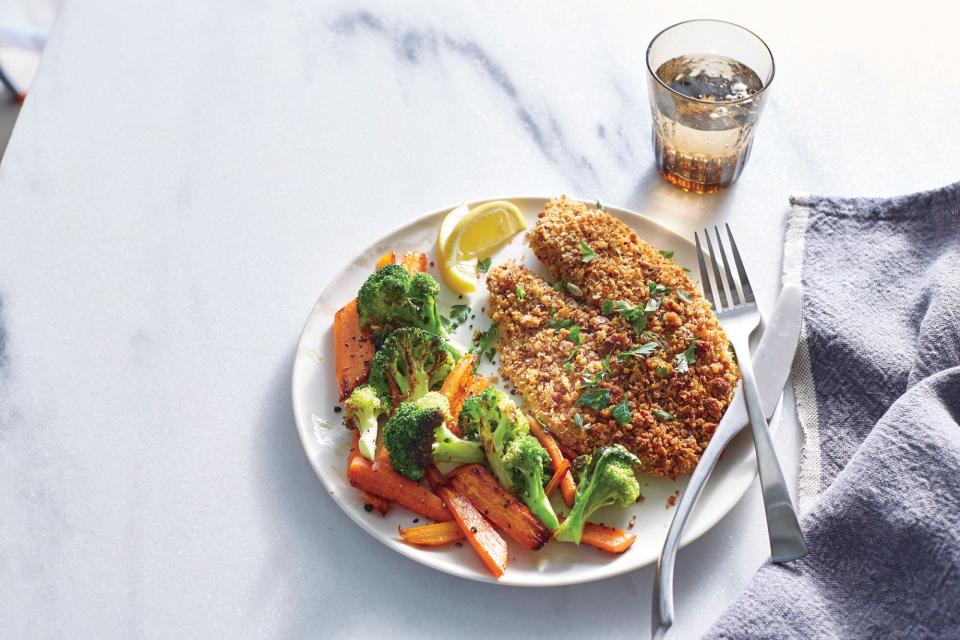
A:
{"x":708,"y":82}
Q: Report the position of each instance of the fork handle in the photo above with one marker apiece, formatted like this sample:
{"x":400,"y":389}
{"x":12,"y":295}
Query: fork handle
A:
{"x":783,"y":529}
{"x":661,"y":618}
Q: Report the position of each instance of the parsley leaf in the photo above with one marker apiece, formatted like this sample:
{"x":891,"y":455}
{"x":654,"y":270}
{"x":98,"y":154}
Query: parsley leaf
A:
{"x":666,"y":254}
{"x":607,"y":307}
{"x":621,"y":413}
{"x":574,"y":290}
{"x":520,"y":292}
{"x":682,"y":361}
{"x":458,"y":315}
{"x":600,"y":205}
{"x":484,"y":344}
{"x":683,"y":295}
{"x":574,"y":335}
{"x":587,"y":254}
{"x":596,"y":398}
{"x":661,"y":371}
{"x":483,"y":266}
{"x":642,"y":351}
{"x":657,"y":289}
{"x":578,"y":420}
{"x":568,"y":364}
{"x":663,"y":415}
{"x":560,"y":284}
{"x":557,"y":323}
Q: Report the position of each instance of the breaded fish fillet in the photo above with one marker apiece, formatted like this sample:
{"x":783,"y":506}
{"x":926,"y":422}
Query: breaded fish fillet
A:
{"x":655,"y":382}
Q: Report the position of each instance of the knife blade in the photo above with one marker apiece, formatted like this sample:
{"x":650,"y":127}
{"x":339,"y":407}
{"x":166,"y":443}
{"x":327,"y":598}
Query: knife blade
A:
{"x":772,"y":361}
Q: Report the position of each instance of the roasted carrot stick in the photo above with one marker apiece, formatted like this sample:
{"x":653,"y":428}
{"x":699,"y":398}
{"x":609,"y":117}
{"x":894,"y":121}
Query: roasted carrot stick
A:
{"x":607,"y":538}
{"x":381,"y":480}
{"x":352,"y":349}
{"x":414,"y":261}
{"x":388,"y":258}
{"x":376,"y":502}
{"x":457,"y":387}
{"x":557,"y":476}
{"x":567,"y":486}
{"x":504,"y":510}
{"x":433,"y":535}
{"x":481,"y":535}
{"x":435,"y":477}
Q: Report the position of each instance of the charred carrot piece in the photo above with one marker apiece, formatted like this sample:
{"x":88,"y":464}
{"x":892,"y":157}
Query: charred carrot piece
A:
{"x":414,"y":261}
{"x":376,"y":503}
{"x":435,"y":477}
{"x":382,"y":481}
{"x":388,"y":258}
{"x":510,"y":515}
{"x":557,"y":477}
{"x":607,"y":539}
{"x":456,"y":386}
{"x":433,"y":535}
{"x":481,"y":535}
{"x":352,"y":349}
{"x":567,"y":486}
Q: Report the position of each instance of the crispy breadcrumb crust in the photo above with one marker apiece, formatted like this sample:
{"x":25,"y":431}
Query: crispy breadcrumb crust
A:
{"x":536,"y":358}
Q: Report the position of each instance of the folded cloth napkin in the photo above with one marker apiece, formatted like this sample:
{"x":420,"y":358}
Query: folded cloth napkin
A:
{"x":877,"y":377}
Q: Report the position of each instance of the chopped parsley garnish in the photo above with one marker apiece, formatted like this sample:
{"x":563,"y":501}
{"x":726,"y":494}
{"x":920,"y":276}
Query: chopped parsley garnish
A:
{"x":558,"y":323}
{"x":568,"y":364}
{"x":578,"y":420}
{"x":458,"y":315}
{"x":520,"y":292}
{"x":663,"y":415}
{"x":661,"y":371}
{"x":600,"y":205}
{"x":621,"y":413}
{"x":682,"y":361}
{"x":657,"y":289}
{"x":483,"y":265}
{"x":574,"y":335}
{"x":484,"y":344}
{"x":685,"y":269}
{"x":642,"y":351}
{"x":586,"y":253}
{"x":572,"y":288}
{"x":607,"y":307}
{"x":650,"y":336}
{"x":596,"y":398}
{"x":683,"y":295}
{"x":637,"y":316}
{"x":666,"y":254}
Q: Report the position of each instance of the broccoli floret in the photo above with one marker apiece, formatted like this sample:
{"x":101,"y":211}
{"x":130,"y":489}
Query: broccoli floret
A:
{"x":363,"y":410}
{"x":607,"y":479}
{"x":392,"y":298}
{"x":417,"y":433}
{"x":410,"y":363}
{"x":526,"y":459}
{"x":493,"y":417}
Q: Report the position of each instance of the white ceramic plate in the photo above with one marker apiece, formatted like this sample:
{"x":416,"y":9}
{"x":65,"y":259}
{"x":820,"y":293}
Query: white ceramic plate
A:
{"x":326,"y":441}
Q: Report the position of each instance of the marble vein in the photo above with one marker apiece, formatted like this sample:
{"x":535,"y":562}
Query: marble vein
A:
{"x":413,"y":45}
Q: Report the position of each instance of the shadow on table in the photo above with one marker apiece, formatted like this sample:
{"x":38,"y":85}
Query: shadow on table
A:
{"x":326,"y":574}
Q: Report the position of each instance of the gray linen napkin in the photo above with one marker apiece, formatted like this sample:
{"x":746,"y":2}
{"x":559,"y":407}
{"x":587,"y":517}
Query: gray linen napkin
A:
{"x":877,"y":377}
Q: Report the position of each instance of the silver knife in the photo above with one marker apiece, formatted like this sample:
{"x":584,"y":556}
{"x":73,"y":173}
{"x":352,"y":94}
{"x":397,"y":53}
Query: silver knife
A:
{"x":771,"y":361}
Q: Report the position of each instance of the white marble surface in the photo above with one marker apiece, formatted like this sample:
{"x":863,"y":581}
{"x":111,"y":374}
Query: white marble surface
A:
{"x":186,"y":176}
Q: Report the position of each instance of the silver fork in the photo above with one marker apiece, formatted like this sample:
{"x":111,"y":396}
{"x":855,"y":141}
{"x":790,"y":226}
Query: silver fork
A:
{"x":739,"y":319}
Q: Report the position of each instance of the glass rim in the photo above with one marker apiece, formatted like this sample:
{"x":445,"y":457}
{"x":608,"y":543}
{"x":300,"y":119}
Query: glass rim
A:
{"x":653,"y":73}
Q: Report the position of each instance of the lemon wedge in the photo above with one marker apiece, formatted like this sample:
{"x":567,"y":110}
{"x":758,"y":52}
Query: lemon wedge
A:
{"x":468,"y":235}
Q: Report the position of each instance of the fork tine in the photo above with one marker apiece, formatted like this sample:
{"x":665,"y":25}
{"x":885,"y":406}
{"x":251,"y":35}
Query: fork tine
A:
{"x":744,"y":280}
{"x":722,"y":296}
{"x":704,"y":275}
{"x":726,"y":268}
